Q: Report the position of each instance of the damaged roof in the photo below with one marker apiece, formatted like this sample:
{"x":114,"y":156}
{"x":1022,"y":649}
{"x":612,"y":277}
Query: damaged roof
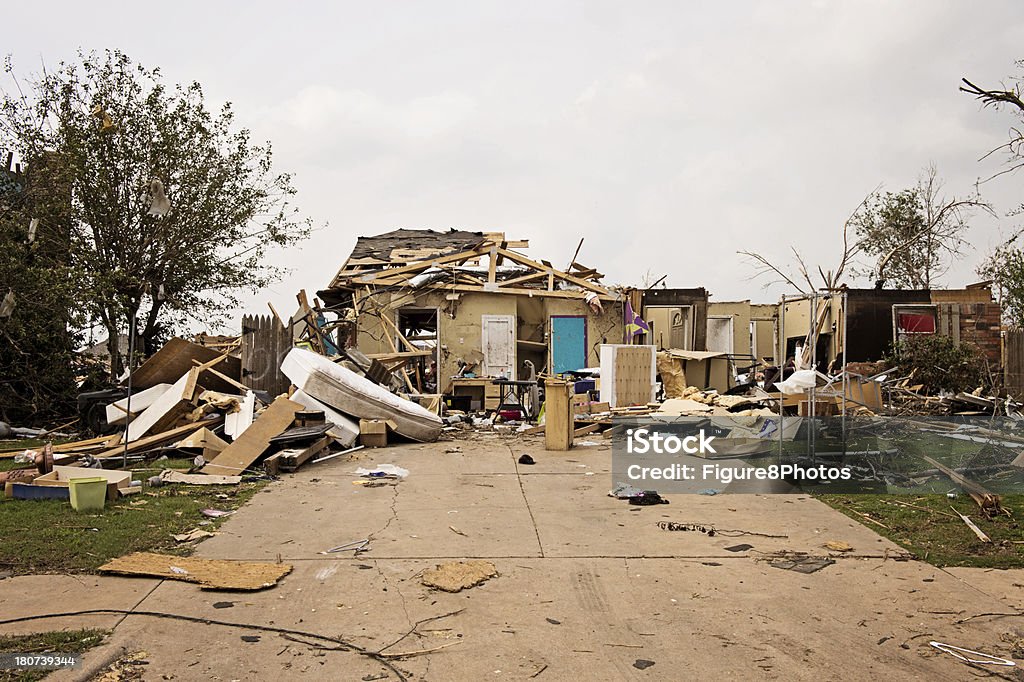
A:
{"x":457,"y":260}
{"x":381,"y":246}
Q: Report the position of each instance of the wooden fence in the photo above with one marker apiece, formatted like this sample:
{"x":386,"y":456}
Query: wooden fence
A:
{"x":265,"y":342}
{"x":1013,"y":362}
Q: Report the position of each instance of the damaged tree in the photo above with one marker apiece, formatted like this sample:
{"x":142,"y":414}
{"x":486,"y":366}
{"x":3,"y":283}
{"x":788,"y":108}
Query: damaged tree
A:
{"x":1005,"y":265}
{"x":172,"y":210}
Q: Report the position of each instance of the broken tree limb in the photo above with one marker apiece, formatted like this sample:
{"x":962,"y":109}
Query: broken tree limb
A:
{"x":970,"y":524}
{"x":988,"y":502}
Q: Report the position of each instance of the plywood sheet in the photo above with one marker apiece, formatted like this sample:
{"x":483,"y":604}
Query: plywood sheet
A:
{"x":454,"y":576}
{"x":210,"y":574}
{"x":176,"y":358}
{"x":632,"y":379}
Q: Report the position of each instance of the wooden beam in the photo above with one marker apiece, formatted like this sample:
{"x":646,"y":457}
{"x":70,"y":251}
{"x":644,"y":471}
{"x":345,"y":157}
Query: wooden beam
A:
{"x":585,"y":430}
{"x":492,"y":265}
{"x":523,"y":260}
{"x":157,"y":438}
{"x":577,"y":295}
{"x":524,"y":278}
{"x":389,"y":357}
{"x":416,"y":267}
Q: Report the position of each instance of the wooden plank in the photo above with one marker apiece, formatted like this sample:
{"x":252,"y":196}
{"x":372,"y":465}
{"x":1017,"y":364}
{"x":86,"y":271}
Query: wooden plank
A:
{"x":586,"y":429}
{"x":578,"y":281}
{"x":238,"y":456}
{"x":292,"y":459}
{"x":171,"y":406}
{"x":391,"y":357}
{"x":158,"y":438}
{"x":390,"y":273}
{"x":558,"y":415}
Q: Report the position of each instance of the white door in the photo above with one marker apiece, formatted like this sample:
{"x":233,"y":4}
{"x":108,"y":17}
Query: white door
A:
{"x":498,"y":338}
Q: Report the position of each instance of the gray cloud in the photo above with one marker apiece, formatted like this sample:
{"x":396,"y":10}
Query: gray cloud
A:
{"x":669,"y":134}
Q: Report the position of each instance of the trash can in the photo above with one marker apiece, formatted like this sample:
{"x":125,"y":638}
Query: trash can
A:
{"x":88,"y":494}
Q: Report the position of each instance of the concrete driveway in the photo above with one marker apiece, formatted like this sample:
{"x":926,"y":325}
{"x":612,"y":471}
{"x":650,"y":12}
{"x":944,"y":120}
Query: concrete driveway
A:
{"x":589,"y":587}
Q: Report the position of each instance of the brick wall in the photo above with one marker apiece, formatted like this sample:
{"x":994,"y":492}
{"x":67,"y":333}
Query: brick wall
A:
{"x":980,"y":325}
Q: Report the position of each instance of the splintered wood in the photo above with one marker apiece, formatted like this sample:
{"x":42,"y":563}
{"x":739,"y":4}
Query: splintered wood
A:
{"x":455,"y":576}
{"x":210,"y":574}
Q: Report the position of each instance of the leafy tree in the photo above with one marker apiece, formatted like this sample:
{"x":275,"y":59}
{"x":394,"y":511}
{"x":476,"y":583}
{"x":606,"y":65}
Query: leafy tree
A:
{"x":172,"y":210}
{"x":913,"y":234}
{"x":37,"y":372}
{"x":1005,"y":267}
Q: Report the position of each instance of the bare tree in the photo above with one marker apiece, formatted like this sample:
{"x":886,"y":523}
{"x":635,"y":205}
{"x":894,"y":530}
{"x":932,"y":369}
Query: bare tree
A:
{"x":803,"y":281}
{"x":1014,"y":146}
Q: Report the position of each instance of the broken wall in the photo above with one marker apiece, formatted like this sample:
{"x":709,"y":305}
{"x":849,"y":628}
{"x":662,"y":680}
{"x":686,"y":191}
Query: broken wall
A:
{"x":460,"y":326}
{"x":696,"y":298}
{"x":739,"y":313}
{"x":764,"y":329}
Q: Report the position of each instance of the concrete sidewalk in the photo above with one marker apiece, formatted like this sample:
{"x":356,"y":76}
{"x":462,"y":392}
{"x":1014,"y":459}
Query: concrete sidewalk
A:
{"x":589,"y":587}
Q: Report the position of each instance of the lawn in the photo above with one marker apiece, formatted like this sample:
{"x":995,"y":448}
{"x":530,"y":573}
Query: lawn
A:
{"x":48,"y":536}
{"x":932,"y":532}
{"x":63,"y":642}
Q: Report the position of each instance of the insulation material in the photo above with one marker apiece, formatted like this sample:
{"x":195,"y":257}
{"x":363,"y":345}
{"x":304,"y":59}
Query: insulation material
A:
{"x":235,"y":423}
{"x":210,"y":574}
{"x":673,"y":378}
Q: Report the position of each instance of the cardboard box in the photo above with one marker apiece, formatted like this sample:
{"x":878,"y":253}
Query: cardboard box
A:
{"x":373,"y":433}
{"x":59,"y":477}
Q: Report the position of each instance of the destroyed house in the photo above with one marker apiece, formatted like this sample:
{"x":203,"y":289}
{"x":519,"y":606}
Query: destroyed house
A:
{"x":875,"y":319}
{"x":471,"y":305}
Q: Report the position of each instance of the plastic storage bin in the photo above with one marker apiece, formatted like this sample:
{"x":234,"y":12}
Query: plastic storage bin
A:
{"x":88,"y":494}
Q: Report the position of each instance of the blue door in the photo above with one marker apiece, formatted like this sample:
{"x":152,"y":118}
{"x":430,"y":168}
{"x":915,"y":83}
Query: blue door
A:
{"x":568,"y":343}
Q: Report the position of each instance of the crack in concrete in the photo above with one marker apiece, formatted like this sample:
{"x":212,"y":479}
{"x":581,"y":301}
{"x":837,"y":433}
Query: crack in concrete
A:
{"x":376,"y":562}
{"x":526,"y":500}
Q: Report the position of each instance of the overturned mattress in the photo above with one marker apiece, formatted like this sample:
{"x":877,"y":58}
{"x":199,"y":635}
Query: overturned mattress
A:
{"x":347,"y":392}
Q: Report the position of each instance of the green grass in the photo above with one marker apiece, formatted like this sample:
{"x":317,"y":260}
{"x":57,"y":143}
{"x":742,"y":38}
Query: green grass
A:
{"x":48,"y":536}
{"x":62,"y":642}
{"x":934,"y":534}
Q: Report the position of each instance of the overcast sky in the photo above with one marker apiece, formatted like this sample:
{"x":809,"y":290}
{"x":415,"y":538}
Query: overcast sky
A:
{"x":668,"y":134}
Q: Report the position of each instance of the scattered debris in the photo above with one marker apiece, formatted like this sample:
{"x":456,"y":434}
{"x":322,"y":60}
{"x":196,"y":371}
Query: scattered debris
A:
{"x":383,"y":471}
{"x":800,"y":562}
{"x":742,"y":547}
{"x":642,"y":664}
{"x":526,"y":459}
{"x":837,"y":546}
{"x":197,"y":534}
{"x":354,"y":546}
{"x":959,"y":652}
{"x":974,"y":528}
{"x":454,"y":576}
